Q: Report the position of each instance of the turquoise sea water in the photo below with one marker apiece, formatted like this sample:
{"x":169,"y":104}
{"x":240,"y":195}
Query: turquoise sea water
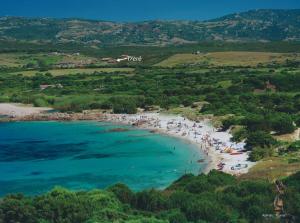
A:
{"x":36,"y":156}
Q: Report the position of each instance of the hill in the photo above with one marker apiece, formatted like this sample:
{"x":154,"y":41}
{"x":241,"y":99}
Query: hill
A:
{"x":255,"y":25}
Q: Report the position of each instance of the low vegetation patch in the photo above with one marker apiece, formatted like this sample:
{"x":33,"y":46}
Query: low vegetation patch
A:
{"x":216,"y":197}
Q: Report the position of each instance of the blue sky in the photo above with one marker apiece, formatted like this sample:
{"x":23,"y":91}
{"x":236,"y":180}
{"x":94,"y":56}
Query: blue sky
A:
{"x":137,"y":10}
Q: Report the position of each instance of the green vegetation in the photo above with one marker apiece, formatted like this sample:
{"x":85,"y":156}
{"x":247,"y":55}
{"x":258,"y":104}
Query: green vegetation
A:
{"x":13,"y":51}
{"x":60,"y":72}
{"x":295,"y":146}
{"x":214,"y":198}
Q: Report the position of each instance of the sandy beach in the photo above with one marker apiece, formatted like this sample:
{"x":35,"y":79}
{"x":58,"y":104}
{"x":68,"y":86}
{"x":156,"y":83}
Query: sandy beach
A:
{"x":19,"y":110}
{"x":224,"y":155}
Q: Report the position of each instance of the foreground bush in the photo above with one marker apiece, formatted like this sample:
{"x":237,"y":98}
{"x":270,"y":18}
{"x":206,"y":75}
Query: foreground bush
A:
{"x":216,"y":198}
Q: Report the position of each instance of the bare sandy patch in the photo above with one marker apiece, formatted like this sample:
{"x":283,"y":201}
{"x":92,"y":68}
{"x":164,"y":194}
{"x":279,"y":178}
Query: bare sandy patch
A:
{"x":19,"y":110}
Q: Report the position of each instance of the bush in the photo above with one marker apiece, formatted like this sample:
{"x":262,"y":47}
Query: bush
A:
{"x":228,"y":200}
{"x":16,"y":208}
{"x":227,"y":123}
{"x":259,"y":153}
{"x":150,"y":201}
{"x":124,"y":107}
{"x":297,"y":120}
{"x":282,"y":124}
{"x":174,"y":216}
{"x":121,"y":105}
{"x":40,"y":102}
{"x":95,"y":105}
{"x":255,"y":122}
{"x":106,"y":105}
{"x":239,"y":135}
{"x":208,"y":210}
{"x":123,"y":193}
{"x":68,"y":206}
{"x":259,"y":139}
{"x":295,"y":146}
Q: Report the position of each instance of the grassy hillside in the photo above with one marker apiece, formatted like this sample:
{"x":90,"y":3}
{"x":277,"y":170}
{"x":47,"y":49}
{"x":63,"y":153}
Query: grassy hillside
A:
{"x":257,"y":25}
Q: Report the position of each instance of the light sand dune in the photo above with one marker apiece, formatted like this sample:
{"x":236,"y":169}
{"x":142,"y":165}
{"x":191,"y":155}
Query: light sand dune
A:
{"x":19,"y":110}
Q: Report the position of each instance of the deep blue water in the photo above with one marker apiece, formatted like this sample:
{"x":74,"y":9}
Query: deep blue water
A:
{"x":137,"y":10}
{"x":36,"y":156}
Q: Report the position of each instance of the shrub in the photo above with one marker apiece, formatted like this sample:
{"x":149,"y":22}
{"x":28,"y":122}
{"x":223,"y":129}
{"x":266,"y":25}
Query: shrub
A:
{"x":295,"y":146}
{"x":239,"y":135}
{"x":255,"y":122}
{"x":259,"y":139}
{"x":174,"y":216}
{"x":297,"y":120}
{"x":123,"y":193}
{"x":95,"y":105}
{"x":16,"y":208}
{"x":259,"y":153}
{"x":40,"y":102}
{"x":122,"y":105}
{"x":150,"y":201}
{"x":282,"y":124}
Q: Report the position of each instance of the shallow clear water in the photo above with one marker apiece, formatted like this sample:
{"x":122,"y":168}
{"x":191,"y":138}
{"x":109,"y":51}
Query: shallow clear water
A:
{"x":36,"y":156}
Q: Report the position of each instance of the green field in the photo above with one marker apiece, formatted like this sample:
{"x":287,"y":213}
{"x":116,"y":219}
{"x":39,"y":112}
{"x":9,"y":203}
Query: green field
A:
{"x":29,"y":60}
{"x":60,"y":72}
{"x":237,"y":58}
{"x":11,"y":60}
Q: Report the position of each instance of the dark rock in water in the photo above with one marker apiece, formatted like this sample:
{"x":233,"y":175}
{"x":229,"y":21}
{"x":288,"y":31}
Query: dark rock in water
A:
{"x":118,"y":130}
{"x":112,"y":130}
{"x":38,"y":152}
{"x":92,"y":156}
{"x":127,"y":141}
{"x":34,"y":142}
{"x":35,"y":173}
{"x":201,"y":161}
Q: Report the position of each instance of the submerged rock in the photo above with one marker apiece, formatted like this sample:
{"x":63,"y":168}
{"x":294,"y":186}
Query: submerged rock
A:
{"x":118,"y":130}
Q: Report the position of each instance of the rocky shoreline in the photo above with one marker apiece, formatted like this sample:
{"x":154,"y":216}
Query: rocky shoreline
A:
{"x":59,"y":116}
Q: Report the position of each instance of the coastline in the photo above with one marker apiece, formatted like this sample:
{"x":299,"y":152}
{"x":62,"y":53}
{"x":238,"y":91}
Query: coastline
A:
{"x":221,"y":153}
{"x":202,"y":134}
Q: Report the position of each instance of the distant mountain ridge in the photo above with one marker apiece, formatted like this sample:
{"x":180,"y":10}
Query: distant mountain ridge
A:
{"x":255,"y":25}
